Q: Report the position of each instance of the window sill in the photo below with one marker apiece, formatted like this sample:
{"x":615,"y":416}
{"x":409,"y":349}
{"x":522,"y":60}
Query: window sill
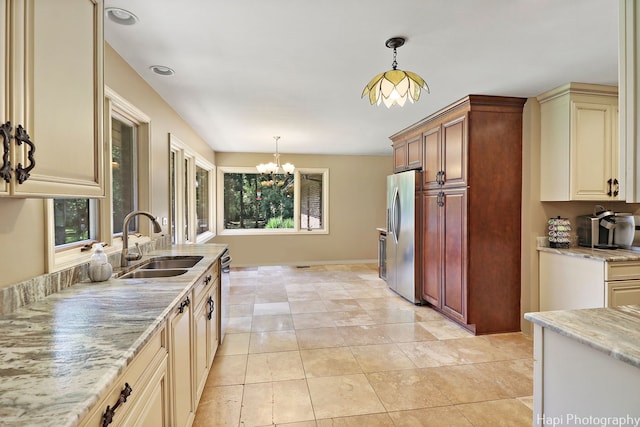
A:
{"x":270,"y":232}
{"x":73,"y":257}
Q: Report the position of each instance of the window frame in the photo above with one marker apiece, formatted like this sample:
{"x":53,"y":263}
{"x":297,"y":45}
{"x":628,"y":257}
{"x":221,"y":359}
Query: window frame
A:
{"x":296,"y":230}
{"x":185,"y":223}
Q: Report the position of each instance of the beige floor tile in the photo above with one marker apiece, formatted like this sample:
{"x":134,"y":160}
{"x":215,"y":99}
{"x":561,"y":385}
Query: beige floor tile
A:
{"x":277,"y":322}
{"x":513,"y":345}
{"x":312,"y":320}
{"x":276,"y":403}
{"x":300,"y":424}
{"x":388,"y":315}
{"x":351,"y":318}
{"x":242,"y":290}
{"x":406,"y":389}
{"x":280,"y":366}
{"x":381,"y":357}
{"x":271,"y":308}
{"x":219,"y":406}
{"x":476,"y":350}
{"x":496,"y":413}
{"x":465,"y":384}
{"x":302,"y":295}
{"x":305,"y":306}
{"x":269,"y":342}
{"x":370,"y":292}
{"x":444,"y":329}
{"x":242,"y":299}
{"x":343,"y":396}
{"x":374,"y":420}
{"x":325,"y":362}
{"x":280,"y":297}
{"x":514,"y":376}
{"x":319,"y":338}
{"x":227,"y":370}
{"x":240,"y":310}
{"x":342,"y":305}
{"x":427,"y":354}
{"x":447,"y":416}
{"x":327,"y":295}
{"x":407,"y":332}
{"x":234,"y":344}
{"x":428,"y":314}
{"x":364,"y":335}
{"x":239,"y":324}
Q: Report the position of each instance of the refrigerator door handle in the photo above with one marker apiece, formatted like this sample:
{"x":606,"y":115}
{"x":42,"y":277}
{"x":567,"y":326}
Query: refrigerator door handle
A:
{"x":395,"y":212}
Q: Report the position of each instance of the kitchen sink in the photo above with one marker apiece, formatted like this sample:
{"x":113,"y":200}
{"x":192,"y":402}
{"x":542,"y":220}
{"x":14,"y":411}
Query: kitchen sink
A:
{"x":177,"y":261}
{"x":149,"y":274}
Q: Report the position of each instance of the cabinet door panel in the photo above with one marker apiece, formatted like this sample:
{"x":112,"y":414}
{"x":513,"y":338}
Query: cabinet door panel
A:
{"x":454,"y":298}
{"x":180,"y":328}
{"x":591,"y":150}
{"x":454,"y":151}
{"x":399,"y":156}
{"x":431,"y":163}
{"x":60,"y":101}
{"x":200,"y":347}
{"x":431,"y":254}
{"x":414,"y":153}
{"x":213,"y":324}
{"x":623,"y":293}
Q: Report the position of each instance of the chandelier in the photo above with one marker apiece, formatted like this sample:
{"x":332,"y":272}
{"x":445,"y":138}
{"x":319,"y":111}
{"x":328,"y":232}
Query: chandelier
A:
{"x":269,"y":171}
{"x":395,"y":86}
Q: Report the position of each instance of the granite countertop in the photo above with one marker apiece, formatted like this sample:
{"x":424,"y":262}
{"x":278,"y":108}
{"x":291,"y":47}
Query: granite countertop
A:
{"x":614,"y":331}
{"x":58,"y":355}
{"x":609,"y":255}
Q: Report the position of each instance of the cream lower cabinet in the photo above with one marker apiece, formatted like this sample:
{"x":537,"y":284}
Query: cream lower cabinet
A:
{"x":144,"y":384}
{"x":205,"y":327}
{"x":581,"y":157}
{"x":180,"y":357}
{"x":568,"y":282}
{"x":51,"y":98}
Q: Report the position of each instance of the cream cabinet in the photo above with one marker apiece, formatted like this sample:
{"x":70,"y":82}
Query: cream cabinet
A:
{"x":51,"y":86}
{"x":180,"y":358}
{"x":580,"y":153}
{"x":140,"y":395}
{"x":575,"y":282}
{"x":205,"y":327}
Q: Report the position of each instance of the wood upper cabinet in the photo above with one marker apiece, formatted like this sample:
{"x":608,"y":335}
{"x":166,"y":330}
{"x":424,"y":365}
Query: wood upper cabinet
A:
{"x":407,"y":154}
{"x":581,"y":158}
{"x":445,"y":160}
{"x":52,"y":92}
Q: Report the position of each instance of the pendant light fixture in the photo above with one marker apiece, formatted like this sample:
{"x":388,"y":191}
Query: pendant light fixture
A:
{"x":395,"y":86}
{"x":268,"y":171}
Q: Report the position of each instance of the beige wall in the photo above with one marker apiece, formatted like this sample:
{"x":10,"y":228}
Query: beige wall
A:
{"x":357,"y":205}
{"x":22,"y":228}
{"x":535,"y":213}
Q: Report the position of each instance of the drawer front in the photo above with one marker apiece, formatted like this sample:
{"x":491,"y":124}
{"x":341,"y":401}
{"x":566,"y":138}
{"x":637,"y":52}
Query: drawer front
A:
{"x":623,"y":270}
{"x":203,"y":285}
{"x":623,"y":293}
{"x":138,"y":371}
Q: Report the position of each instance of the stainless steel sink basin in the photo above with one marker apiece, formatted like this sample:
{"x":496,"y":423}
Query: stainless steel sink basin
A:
{"x":149,"y":274}
{"x":177,"y":261}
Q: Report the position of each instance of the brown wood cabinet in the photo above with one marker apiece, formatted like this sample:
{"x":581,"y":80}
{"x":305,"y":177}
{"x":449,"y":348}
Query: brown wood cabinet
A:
{"x":471,"y":207}
{"x":407,"y":154}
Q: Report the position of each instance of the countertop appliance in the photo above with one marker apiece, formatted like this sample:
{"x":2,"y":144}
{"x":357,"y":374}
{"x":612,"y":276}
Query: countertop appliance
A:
{"x":401,"y":234}
{"x":606,"y":229}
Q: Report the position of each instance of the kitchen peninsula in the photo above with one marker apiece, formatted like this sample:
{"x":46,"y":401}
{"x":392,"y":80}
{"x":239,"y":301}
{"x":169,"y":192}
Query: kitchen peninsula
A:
{"x":586,"y":365}
{"x":62,"y":355}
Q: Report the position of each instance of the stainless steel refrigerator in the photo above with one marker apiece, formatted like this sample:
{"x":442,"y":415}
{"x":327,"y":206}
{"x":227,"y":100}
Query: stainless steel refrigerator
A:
{"x":401,"y":234}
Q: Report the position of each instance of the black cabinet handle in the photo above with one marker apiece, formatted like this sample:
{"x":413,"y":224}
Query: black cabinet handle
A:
{"x":22,"y":174}
{"x":184,"y":304}
{"x":617,"y":190}
{"x":110,"y":412}
{"x":609,"y":183}
{"x":5,"y":133}
{"x":440,"y":199}
{"x":211,"y":307}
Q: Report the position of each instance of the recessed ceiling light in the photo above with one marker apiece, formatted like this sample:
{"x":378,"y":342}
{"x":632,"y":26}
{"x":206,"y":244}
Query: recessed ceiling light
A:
{"x":162,"y":70}
{"x":121,"y":16}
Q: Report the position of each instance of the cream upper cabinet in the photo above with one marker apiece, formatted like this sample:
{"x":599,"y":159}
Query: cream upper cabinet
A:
{"x":52,"y":90}
{"x":580,"y":152}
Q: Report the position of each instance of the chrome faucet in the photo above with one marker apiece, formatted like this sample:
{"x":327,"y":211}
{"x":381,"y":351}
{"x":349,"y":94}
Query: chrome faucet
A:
{"x":125,"y":257}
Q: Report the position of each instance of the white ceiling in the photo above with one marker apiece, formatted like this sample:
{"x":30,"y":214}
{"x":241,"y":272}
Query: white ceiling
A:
{"x":247,"y":70}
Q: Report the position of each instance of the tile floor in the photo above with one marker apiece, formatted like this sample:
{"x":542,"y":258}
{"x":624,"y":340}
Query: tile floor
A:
{"x":333,"y":346}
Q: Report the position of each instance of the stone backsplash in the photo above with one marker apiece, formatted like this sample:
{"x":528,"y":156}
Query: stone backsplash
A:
{"x":32,"y":290}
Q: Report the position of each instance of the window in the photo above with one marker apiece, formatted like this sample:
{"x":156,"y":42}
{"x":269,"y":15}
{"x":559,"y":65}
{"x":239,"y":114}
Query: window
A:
{"x":74,"y":221}
{"x":124,"y":170}
{"x":250,"y":204}
{"x":191,"y":206}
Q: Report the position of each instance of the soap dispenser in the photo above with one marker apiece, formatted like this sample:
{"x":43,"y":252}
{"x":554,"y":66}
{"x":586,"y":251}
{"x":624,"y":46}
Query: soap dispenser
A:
{"x":99,"y":267}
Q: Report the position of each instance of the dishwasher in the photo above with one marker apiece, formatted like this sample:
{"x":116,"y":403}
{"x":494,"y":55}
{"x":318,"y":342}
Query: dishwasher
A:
{"x":225,"y":285}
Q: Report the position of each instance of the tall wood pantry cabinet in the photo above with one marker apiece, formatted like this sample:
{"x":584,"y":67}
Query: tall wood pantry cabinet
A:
{"x":51,"y":98}
{"x":471,"y":209}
